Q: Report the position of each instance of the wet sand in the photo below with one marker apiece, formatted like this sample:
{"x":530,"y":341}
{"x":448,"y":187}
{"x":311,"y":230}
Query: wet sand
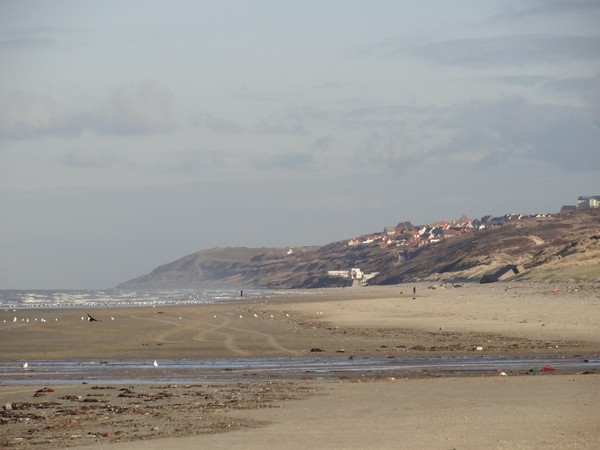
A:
{"x":549,"y":410}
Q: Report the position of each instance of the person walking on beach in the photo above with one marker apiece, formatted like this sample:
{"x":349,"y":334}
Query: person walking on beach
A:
{"x":414,"y":290}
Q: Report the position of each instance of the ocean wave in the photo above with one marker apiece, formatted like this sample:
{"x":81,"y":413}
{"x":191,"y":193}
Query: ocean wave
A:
{"x":91,"y":298}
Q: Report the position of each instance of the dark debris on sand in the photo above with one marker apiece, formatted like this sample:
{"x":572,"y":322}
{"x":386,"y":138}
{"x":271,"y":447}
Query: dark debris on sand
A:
{"x":105,"y":414}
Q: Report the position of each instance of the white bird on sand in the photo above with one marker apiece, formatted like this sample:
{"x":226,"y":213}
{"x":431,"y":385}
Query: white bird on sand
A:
{"x":155,"y":363}
{"x":25,"y":365}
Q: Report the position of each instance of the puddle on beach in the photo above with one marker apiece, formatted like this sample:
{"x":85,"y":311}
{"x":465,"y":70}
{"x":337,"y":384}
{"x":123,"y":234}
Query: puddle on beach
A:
{"x":269,"y":369}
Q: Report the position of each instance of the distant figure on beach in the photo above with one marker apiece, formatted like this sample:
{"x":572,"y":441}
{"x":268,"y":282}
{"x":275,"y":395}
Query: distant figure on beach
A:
{"x":414,"y":290}
{"x":241,"y":293}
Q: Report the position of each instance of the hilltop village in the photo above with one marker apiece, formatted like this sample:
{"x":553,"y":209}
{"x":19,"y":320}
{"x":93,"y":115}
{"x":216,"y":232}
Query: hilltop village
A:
{"x":408,"y":237}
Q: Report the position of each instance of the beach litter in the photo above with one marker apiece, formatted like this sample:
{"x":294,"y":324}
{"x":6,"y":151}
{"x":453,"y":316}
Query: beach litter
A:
{"x":546,"y":368}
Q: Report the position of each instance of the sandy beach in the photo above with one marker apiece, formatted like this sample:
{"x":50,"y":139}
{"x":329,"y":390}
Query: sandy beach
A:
{"x":550,"y":410}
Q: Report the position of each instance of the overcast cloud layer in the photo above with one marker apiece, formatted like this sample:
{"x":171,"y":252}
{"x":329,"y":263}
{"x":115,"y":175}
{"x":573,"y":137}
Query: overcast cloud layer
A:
{"x":135,"y":132}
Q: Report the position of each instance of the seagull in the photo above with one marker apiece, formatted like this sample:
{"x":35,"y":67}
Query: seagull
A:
{"x":155,"y":363}
{"x":91,"y":319}
{"x":25,"y":365}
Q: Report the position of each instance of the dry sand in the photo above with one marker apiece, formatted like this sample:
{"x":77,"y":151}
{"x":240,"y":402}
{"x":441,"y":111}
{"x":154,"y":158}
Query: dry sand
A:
{"x":549,"y":410}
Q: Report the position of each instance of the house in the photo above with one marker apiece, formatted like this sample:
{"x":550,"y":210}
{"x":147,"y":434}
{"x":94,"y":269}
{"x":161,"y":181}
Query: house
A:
{"x":463,"y":220}
{"x":566,"y":208}
{"x":356,"y":273}
{"x":390,"y":231}
{"x":452,"y":232}
{"x":497,"y":221}
{"x":339,"y":273}
{"x":588,"y":202}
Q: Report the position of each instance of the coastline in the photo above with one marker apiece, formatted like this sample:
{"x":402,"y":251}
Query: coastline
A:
{"x":443,"y":320}
{"x":502,"y":318}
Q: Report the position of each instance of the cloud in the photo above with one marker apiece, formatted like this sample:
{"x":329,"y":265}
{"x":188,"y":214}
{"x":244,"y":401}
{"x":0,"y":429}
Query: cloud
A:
{"x":39,"y":37}
{"x":205,"y":162}
{"x":283,"y":124}
{"x":295,"y":161}
{"x":87,"y":159}
{"x":141,"y":108}
{"x":518,"y":130}
{"x":380,"y":115}
{"x":25,"y":116}
{"x":521,"y":80}
{"x":296,"y":120}
{"x":217,"y":124}
{"x":322,"y":143}
{"x":523,"y":49}
{"x":529,"y":9}
{"x":483,"y":133}
{"x":26,"y":42}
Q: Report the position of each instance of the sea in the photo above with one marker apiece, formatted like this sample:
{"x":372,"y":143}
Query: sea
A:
{"x":103,"y":298}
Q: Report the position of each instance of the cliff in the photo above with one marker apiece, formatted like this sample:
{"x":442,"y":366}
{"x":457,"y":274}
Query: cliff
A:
{"x":563,"y":247}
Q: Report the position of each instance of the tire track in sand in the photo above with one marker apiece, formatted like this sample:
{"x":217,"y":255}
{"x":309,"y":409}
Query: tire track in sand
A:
{"x":269,"y":339}
{"x":228,"y":340}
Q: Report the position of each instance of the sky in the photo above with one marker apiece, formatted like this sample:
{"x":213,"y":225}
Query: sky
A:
{"x":133,"y":133}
